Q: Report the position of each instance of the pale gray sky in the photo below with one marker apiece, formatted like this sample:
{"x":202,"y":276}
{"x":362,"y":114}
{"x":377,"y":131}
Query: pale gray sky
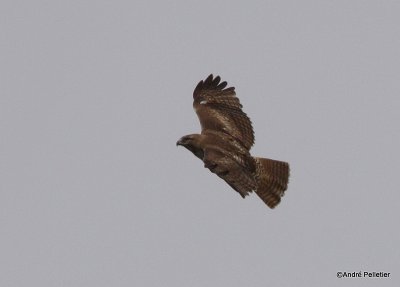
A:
{"x":94,"y":95}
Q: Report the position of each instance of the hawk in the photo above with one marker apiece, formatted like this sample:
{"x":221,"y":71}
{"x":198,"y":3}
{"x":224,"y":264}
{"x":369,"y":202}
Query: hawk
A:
{"x":225,"y":141}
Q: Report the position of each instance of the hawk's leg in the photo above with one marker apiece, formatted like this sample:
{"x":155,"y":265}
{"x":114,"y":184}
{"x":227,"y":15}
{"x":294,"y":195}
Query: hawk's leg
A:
{"x":209,"y":164}
{"x":214,"y":161}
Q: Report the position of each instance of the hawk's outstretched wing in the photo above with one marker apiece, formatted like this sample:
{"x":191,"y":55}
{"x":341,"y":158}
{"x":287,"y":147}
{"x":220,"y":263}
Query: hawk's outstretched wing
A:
{"x":220,"y":110}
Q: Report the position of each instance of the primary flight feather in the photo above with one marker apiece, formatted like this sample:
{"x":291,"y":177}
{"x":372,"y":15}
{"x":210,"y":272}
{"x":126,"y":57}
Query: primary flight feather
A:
{"x":225,"y":142}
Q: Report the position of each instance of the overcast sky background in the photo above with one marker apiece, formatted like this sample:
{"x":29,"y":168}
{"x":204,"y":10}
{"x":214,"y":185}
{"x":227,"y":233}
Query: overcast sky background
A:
{"x":95,"y":94}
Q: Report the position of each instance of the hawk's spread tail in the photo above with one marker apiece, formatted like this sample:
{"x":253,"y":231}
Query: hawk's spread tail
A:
{"x":272,"y":179}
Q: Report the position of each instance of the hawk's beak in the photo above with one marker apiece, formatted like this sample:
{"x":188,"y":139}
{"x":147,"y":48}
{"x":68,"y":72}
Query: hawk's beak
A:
{"x":179,"y":142}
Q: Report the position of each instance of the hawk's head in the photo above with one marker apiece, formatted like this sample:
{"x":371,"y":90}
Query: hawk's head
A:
{"x":192,"y":143}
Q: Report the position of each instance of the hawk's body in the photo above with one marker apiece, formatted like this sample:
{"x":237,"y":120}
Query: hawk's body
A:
{"x":225,"y":141}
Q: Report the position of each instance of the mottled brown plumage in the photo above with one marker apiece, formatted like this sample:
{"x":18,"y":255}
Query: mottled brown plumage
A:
{"x":225,"y":142}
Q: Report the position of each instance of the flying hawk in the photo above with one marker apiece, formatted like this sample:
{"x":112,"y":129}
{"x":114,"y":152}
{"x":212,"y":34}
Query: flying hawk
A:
{"x":225,"y":141}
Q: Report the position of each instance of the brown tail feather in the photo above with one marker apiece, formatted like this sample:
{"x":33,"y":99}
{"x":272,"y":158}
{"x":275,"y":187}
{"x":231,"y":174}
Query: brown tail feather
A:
{"x":272,"y":180}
